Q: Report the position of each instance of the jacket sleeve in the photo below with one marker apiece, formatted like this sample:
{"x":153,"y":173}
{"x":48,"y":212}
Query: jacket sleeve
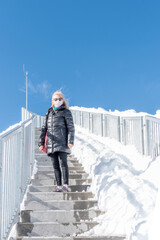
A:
{"x":43,"y":131}
{"x":70,"y":126}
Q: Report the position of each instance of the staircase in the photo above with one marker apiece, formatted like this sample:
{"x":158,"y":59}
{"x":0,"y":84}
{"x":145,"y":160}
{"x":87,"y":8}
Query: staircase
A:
{"x":49,"y":215}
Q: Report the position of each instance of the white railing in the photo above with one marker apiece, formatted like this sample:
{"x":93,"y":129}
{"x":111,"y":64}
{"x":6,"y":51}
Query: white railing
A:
{"x":141,"y":131}
{"x":16,"y":166}
{"x":27,"y":114}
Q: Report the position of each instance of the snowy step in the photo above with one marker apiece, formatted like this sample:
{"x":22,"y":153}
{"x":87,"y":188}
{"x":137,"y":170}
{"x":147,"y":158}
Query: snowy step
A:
{"x":45,"y":182}
{"x":43,"y":156}
{"x":47,"y":196}
{"x":50,"y":169}
{"x":53,"y":229}
{"x":51,"y":176}
{"x":48,"y":163}
{"x":60,"y":205}
{"x":58,"y":215}
{"x":72,"y":238}
{"x":70,"y":171}
{"x":69,"y":156}
{"x":73,"y":188}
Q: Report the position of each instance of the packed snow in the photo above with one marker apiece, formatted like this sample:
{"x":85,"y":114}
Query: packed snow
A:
{"x":11,"y":128}
{"x":124,"y":182}
{"x":126,"y":113}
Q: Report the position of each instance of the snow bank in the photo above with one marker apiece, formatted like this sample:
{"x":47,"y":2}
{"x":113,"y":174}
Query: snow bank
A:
{"x":126,"y":113}
{"x":124,"y":182}
{"x":10,"y":128}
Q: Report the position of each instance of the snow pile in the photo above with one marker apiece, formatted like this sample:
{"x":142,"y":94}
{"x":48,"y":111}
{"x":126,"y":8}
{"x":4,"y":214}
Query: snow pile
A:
{"x":157,"y":115}
{"x":124,"y":182}
{"x":10,"y":128}
{"x":126,"y":113}
{"x":154,"y":231}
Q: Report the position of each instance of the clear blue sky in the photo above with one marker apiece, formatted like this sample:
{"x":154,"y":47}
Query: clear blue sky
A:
{"x":102,"y":53}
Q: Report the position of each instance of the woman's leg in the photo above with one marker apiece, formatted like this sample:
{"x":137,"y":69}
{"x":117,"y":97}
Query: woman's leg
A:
{"x":57,"y":170}
{"x":64,"y":166}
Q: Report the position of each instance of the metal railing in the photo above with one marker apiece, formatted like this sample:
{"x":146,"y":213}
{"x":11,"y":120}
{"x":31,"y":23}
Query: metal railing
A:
{"x":16,"y":166}
{"x":141,"y":131}
{"x":27,"y":114}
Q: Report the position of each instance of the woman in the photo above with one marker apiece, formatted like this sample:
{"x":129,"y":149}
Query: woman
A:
{"x":59,"y":126}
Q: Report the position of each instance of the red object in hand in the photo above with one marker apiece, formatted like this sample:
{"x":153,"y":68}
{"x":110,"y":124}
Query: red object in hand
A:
{"x":45,"y":145}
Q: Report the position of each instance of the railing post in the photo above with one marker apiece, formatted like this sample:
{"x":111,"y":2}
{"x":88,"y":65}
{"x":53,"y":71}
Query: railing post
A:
{"x":91,"y":122}
{"x":142,"y":135}
{"x":145,"y":136}
{"x":33,"y":142}
{"x":1,"y":159}
{"x":119,"y":129}
{"x":21,"y":162}
{"x":102,"y":123}
{"x":81,"y":119}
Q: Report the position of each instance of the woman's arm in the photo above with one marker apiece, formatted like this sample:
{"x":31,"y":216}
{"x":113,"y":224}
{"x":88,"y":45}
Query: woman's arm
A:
{"x":70,"y":127}
{"x":43,"y":132}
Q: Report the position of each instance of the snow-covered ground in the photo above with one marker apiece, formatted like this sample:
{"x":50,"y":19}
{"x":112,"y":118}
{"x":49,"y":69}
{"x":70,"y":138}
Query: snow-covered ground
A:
{"x":124,"y":182}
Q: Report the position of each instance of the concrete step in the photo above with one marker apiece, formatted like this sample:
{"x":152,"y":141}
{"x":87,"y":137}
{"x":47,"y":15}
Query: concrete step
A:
{"x":58,"y":215}
{"x":47,"y":196}
{"x":70,"y":171}
{"x":73,"y":188}
{"x":52,"y":172}
{"x":53,"y":229}
{"x":48,"y":163}
{"x":69,"y":155}
{"x":60,"y":205}
{"x":51,"y":176}
{"x":72,"y":238}
{"x":42,"y":156}
{"x":50,"y":169}
{"x":45,"y":182}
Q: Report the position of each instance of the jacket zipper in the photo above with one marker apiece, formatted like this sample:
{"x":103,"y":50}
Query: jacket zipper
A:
{"x":52,"y":129}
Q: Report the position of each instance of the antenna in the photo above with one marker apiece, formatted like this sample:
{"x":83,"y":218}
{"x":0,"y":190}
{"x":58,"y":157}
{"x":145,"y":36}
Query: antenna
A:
{"x":26,"y":75}
{"x":26,"y":91}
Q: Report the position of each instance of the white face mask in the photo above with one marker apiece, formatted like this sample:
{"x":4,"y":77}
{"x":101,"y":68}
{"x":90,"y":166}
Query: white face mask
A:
{"x":58,"y":103}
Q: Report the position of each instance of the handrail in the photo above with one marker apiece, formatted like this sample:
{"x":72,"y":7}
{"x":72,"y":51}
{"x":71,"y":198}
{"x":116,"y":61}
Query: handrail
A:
{"x":15,"y":128}
{"x":16,"y":166}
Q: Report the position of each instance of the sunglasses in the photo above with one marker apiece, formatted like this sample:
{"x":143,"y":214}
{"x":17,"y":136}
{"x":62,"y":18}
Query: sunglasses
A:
{"x":58,"y":99}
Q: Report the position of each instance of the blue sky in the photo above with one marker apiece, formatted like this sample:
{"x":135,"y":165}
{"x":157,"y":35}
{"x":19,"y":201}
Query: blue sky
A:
{"x":101,"y":53}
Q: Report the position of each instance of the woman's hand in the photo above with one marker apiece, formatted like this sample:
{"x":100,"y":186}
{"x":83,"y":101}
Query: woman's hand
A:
{"x":41,"y":148}
{"x":70,"y":145}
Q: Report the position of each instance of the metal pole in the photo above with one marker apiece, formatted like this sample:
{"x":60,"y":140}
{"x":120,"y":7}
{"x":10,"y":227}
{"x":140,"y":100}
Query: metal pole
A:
{"x":26,"y":91}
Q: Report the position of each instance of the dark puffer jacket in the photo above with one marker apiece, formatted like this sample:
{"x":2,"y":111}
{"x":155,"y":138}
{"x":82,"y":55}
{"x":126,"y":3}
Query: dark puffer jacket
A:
{"x":60,"y":130}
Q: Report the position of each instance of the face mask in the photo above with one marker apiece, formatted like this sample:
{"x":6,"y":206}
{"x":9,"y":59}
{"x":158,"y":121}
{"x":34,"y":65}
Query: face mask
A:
{"x":58,"y":103}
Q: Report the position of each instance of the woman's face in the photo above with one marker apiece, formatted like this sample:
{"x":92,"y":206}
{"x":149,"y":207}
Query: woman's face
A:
{"x":57,"y":100}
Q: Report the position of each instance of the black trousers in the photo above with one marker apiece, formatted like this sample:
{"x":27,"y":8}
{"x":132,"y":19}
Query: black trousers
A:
{"x":60,"y":165}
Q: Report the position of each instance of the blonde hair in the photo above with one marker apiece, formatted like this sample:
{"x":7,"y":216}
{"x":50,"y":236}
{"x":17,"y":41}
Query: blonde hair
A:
{"x":60,"y":95}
